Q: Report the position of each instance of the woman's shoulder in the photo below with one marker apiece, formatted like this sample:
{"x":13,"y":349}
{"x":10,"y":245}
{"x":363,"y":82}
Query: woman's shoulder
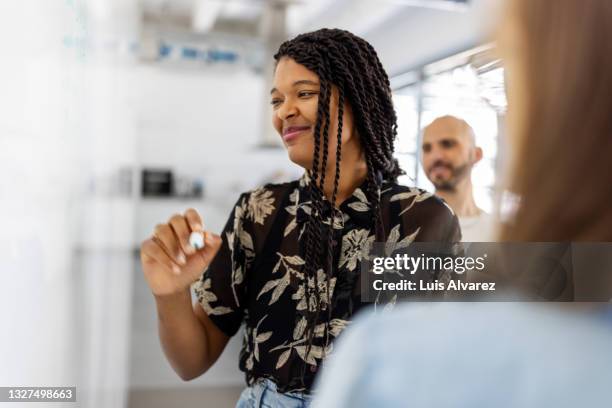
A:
{"x":269,"y":191}
{"x":260,"y":202}
{"x":418,"y":209}
{"x":408,"y":198}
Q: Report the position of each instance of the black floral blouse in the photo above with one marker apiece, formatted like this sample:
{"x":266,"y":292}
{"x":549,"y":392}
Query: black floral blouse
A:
{"x":257,"y":276}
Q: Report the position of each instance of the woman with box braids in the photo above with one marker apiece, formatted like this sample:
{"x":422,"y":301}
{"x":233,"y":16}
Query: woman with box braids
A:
{"x":351,"y":64}
{"x":288,"y":264}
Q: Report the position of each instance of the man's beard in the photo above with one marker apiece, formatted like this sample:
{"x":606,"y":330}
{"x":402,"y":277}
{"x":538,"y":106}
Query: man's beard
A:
{"x":457,"y":174}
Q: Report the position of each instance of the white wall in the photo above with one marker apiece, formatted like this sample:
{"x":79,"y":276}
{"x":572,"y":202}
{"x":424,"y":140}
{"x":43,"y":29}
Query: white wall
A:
{"x":65,"y":241}
{"x":202,"y":123}
{"x":199,"y":122}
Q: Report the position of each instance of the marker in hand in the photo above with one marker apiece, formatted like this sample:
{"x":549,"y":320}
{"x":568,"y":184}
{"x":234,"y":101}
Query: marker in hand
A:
{"x":177,"y":253}
{"x":196,"y":240}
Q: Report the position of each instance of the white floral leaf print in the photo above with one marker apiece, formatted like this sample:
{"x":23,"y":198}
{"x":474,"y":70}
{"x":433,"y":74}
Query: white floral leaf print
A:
{"x":298,"y":331}
{"x":407,"y":208}
{"x":418,"y":195}
{"x":238,"y":214}
{"x":355,"y":245}
{"x":294,"y":260}
{"x":339,"y":221}
{"x":366,"y":250}
{"x":301,"y":350}
{"x":205,"y":296}
{"x":260,"y":205}
{"x":249,"y":362}
{"x":413,"y":192}
{"x":360,"y":195}
{"x":208,"y":296}
{"x":294,"y":198}
{"x":230,"y":240}
{"x":220,"y":310}
{"x":319,"y":330}
{"x":337,"y":325}
{"x":238,"y":276}
{"x":310,"y":302}
{"x":278,"y":264}
{"x":300,"y":295}
{"x":316,"y":352}
{"x":263,"y":337}
{"x":289,"y":345}
{"x":268,"y":286}
{"x":245,"y":338}
{"x":403,"y":196}
{"x":281,"y":346}
{"x":394,"y":235}
{"x":423,"y":195}
{"x":295,"y":194}
{"x":200,"y":286}
{"x":282,"y":359}
{"x":332,"y":284}
{"x":321,"y":281}
{"x":290,"y":227}
{"x":258,"y":323}
{"x":405,"y":243}
{"x":259,"y":338}
{"x":206,"y":306}
{"x":307,"y":209}
{"x":305,"y":179}
{"x":280,"y":288}
{"x":359,"y":206}
{"x":246,"y":240}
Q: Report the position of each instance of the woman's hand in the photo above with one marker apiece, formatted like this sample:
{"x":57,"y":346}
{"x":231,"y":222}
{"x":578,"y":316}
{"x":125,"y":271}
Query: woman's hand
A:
{"x":169,"y":262}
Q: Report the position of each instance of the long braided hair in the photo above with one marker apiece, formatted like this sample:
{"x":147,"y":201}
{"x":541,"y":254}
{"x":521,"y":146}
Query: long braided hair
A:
{"x":349,"y":63}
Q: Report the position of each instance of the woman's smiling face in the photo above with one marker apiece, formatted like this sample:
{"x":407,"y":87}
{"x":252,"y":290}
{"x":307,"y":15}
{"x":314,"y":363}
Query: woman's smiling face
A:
{"x":294,"y":99}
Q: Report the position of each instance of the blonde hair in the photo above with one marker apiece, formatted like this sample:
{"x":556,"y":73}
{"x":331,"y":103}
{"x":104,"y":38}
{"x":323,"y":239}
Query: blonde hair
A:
{"x":560,"y":114}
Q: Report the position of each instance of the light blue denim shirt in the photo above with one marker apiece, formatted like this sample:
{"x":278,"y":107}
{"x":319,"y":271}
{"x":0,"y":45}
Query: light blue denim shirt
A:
{"x":470,"y":355}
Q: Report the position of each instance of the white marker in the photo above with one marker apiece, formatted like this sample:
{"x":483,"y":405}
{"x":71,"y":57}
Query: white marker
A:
{"x":196,"y":240}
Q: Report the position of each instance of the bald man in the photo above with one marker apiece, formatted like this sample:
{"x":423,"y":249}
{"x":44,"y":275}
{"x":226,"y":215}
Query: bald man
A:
{"x":449,"y":152}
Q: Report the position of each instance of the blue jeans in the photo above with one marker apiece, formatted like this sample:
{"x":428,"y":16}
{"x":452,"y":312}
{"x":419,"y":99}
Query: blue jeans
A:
{"x":263,"y":394}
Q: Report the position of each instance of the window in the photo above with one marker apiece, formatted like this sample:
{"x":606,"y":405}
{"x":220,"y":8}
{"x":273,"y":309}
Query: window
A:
{"x":406,"y":148}
{"x":459,"y":87}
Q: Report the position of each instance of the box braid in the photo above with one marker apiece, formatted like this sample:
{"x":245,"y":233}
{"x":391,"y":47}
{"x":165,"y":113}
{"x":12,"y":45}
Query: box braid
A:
{"x":350,"y":63}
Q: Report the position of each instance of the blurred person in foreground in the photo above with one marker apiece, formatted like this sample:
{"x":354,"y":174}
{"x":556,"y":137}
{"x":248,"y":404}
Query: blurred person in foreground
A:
{"x":559,"y":67}
{"x":288,"y":260}
{"x":449,"y":153}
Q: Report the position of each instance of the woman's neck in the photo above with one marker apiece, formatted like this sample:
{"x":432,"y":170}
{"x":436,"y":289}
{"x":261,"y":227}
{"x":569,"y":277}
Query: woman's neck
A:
{"x":352,"y":175}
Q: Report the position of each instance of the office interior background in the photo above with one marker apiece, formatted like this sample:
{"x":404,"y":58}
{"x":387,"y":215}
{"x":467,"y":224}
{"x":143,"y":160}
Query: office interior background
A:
{"x":118,"y":113}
